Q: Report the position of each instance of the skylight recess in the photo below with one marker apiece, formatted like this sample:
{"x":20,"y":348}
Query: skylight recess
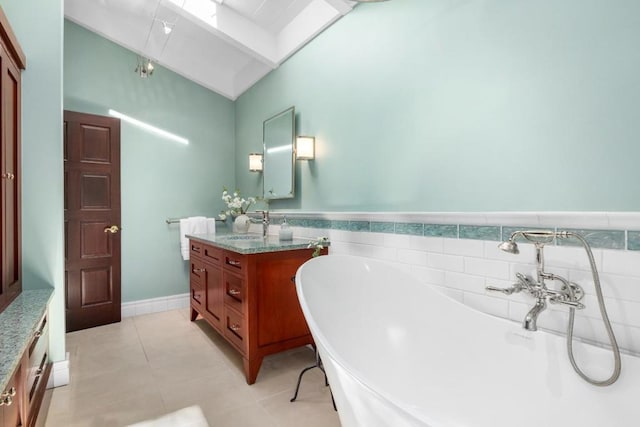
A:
{"x":204,"y":10}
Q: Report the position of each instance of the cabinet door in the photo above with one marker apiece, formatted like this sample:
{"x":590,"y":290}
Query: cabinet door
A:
{"x":213,"y":280}
{"x":10,"y":182}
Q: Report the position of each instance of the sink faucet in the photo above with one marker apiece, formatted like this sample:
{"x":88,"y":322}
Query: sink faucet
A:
{"x":264,"y":221}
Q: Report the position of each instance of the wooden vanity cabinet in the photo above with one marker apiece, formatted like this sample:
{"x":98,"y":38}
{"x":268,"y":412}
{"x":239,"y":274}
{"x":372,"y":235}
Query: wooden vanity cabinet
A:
{"x":255,"y":294}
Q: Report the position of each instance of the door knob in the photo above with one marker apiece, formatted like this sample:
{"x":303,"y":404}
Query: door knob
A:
{"x":113,"y":229}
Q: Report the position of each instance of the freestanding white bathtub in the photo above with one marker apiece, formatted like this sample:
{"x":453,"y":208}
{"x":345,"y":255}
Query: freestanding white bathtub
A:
{"x":399,"y":353}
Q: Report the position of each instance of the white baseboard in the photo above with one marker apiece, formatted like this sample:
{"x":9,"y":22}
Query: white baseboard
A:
{"x":59,"y":373}
{"x":154,"y":305}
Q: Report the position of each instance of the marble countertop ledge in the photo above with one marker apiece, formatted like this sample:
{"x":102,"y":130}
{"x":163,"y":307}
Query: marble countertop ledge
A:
{"x":251,"y":243}
{"x":18,"y":324}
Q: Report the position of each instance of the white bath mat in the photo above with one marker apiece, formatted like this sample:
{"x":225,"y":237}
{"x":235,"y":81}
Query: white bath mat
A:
{"x":191,"y":416}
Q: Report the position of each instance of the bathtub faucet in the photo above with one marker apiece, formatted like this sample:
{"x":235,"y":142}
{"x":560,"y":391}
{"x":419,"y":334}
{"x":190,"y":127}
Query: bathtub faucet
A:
{"x":531,"y":319}
{"x":569,"y":293}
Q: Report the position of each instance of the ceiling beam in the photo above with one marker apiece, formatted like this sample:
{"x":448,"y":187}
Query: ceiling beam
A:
{"x":238,"y":31}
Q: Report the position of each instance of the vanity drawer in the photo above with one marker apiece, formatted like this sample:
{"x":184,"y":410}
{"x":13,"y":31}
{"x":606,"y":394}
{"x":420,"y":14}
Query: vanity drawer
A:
{"x":234,"y":291}
{"x":211,"y":254}
{"x":40,"y":336}
{"x":198,"y":270}
{"x":196,"y":247}
{"x":234,"y":328}
{"x":38,"y":358}
{"x":235,"y":262}
{"x":36,"y":376}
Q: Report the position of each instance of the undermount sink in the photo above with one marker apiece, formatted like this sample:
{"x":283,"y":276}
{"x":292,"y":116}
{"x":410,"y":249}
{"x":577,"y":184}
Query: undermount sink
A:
{"x":243,"y":237}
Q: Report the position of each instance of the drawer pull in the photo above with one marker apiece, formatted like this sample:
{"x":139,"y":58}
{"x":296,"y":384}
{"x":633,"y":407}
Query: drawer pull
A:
{"x":38,"y":334}
{"x":233,"y":262}
{"x":234,"y":292}
{"x":198,"y":270}
{"x":39,"y":372}
{"x":7,"y":397}
{"x":234,"y":327}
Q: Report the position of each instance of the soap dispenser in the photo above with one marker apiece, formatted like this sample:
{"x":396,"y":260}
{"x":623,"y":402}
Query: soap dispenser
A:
{"x":285,"y":231}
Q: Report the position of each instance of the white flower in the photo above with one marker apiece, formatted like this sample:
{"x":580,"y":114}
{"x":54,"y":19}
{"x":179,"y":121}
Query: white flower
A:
{"x":236,"y":204}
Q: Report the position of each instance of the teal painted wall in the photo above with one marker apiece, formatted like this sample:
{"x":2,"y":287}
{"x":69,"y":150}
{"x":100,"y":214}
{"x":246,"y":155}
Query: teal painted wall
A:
{"x":40,"y":35}
{"x":469,"y":105}
{"x":160,"y":178}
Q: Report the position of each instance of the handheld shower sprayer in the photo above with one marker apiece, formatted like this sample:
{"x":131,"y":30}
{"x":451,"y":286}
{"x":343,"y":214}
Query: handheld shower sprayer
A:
{"x":539,"y":237}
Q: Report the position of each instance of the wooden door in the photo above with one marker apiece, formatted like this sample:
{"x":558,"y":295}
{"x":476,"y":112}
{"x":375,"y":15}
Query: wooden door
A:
{"x":92,"y":220}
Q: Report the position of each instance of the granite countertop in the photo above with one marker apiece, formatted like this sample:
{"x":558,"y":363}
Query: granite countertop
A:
{"x":18,"y":322}
{"x":251,"y":243}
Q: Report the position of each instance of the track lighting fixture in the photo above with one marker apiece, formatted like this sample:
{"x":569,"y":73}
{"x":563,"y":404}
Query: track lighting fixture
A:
{"x":144,"y":67}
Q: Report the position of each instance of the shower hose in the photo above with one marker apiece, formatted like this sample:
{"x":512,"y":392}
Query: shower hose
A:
{"x":603,"y":311}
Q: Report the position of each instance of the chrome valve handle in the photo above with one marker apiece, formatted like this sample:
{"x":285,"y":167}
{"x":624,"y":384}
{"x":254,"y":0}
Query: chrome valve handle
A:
{"x":525,"y":283}
{"x":506,"y":291}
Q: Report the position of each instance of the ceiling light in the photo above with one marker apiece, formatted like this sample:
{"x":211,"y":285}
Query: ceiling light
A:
{"x":166,"y":27}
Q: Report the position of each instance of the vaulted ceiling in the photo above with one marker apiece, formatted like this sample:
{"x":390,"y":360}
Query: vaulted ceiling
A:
{"x":224,"y":45}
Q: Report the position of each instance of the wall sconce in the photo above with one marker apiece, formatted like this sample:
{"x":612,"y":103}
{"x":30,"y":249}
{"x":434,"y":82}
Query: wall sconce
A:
{"x":305,"y":148}
{"x":255,"y":162}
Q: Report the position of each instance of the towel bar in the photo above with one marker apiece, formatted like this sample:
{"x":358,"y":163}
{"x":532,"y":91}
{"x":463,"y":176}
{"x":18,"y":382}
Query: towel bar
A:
{"x":176,"y":220}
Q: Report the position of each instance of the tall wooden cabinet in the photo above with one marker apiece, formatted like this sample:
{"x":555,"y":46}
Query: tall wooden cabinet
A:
{"x":21,"y":398}
{"x":12,"y":61}
{"x":249,"y":299}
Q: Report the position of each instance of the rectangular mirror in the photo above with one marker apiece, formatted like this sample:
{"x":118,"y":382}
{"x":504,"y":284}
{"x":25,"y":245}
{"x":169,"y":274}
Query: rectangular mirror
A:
{"x":278,"y":137}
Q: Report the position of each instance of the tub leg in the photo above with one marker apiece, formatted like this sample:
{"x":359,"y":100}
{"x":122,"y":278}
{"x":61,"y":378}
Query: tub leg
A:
{"x":318,"y":365}
{"x":295,"y":396}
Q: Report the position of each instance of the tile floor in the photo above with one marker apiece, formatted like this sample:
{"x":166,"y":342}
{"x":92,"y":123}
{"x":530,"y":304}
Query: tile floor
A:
{"x":147,"y":366}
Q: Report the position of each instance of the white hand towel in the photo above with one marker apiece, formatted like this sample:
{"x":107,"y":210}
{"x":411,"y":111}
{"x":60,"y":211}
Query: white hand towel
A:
{"x":211,"y":226}
{"x":192,"y":225}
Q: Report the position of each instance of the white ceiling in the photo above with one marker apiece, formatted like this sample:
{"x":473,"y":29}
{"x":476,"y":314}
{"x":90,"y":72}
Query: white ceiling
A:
{"x":240,"y":43}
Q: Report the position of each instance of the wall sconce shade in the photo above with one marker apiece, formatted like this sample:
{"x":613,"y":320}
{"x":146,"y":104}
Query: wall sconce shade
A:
{"x":255,"y":162}
{"x":305,"y":148}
